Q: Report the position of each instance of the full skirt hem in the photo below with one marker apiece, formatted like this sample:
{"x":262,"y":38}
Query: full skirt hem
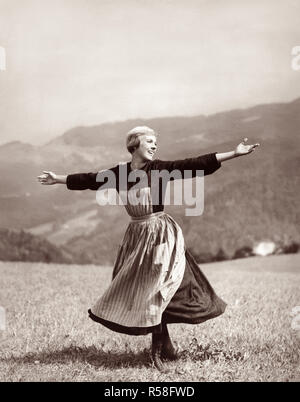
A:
{"x":193,"y":303}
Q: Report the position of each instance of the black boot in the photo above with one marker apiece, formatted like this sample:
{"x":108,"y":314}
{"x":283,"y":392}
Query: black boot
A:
{"x":156,"y":352}
{"x":168,"y":351}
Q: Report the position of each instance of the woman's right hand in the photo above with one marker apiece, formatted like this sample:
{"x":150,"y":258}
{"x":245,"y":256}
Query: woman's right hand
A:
{"x":47,"y":178}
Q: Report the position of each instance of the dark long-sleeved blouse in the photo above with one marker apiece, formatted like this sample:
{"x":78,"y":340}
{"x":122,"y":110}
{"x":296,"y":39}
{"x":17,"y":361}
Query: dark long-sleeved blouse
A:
{"x":112,"y":178}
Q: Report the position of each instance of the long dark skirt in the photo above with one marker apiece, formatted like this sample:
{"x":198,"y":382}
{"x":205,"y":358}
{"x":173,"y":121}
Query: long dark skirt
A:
{"x":193,"y":303}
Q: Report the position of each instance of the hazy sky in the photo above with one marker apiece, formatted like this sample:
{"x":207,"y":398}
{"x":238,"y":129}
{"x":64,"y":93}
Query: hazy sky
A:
{"x":84,"y":62}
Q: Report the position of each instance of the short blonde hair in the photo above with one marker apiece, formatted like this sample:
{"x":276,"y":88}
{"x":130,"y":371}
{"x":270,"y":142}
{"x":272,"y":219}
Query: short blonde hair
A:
{"x":133,"y":141}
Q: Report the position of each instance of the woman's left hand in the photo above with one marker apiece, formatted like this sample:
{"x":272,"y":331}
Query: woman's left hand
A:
{"x":244,"y":149}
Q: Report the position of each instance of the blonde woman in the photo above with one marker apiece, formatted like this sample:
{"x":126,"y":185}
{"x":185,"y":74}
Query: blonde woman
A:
{"x":155,"y":279}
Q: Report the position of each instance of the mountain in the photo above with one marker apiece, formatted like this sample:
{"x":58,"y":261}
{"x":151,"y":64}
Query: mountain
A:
{"x":249,"y":199}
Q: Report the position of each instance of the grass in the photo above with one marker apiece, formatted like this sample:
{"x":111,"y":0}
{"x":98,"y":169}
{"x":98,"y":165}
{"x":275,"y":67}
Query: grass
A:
{"x":49,"y":336}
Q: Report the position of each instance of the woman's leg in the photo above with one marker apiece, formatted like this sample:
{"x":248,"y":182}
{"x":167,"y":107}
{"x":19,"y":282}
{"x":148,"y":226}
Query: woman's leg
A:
{"x":157,"y":344}
{"x":168,"y":351}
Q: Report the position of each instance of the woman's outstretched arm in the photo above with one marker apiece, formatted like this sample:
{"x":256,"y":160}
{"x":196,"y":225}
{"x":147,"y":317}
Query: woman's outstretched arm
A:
{"x":78,"y":181}
{"x":49,"y":178}
{"x":209,"y":163}
{"x":241,"y":149}
{"x":82,"y":181}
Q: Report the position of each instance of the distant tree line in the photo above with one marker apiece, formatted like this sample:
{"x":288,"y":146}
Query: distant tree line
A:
{"x":18,"y":245}
{"x":243,"y":252}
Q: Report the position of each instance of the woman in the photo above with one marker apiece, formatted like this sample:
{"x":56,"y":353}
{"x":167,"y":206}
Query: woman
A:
{"x":155,"y":280}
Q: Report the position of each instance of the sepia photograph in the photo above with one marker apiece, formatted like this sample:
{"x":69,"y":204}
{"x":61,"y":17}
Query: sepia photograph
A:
{"x":149,"y":193}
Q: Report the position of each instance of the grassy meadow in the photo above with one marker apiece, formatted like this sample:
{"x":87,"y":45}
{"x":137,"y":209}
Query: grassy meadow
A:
{"x":49,"y":337}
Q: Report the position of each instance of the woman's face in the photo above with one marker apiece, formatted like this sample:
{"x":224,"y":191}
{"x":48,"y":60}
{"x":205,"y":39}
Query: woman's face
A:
{"x":147,"y":148}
